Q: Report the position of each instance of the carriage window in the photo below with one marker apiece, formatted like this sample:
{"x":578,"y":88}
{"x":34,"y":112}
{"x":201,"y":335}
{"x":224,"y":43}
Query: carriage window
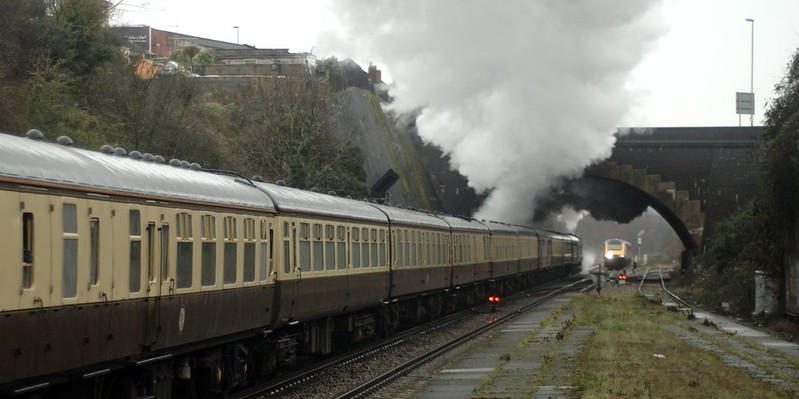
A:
{"x":208,"y":227}
{"x":317,"y":231}
{"x":231,"y":251}
{"x":374,"y":247}
{"x":318,"y":251}
{"x":407,"y":256}
{"x":305,"y":247}
{"x":27,"y":250}
{"x":69,"y":285}
{"x":330,"y":247}
{"x":399,"y":248}
{"x":429,"y":255}
{"x":434,"y":249}
{"x":134,"y":275}
{"x":365,"y":248}
{"x":267,"y":242}
{"x":382,"y":248}
{"x":230,"y":228}
{"x":412,"y":259}
{"x":318,"y":256}
{"x":262,"y":260}
{"x":286,"y":257}
{"x":164,"y":252}
{"x":208,"y":256}
{"x":356,"y":249}
{"x":263,"y":247}
{"x":249,"y":250}
{"x":341,"y":246}
{"x":184,"y":235}
{"x":94,"y":248}
{"x":249,"y":262}
{"x":305,"y":231}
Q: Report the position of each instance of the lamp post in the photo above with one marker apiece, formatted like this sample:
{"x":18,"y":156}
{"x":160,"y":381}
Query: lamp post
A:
{"x":639,"y":259}
{"x":237,"y":33}
{"x":177,"y":36}
{"x":752,"y":73}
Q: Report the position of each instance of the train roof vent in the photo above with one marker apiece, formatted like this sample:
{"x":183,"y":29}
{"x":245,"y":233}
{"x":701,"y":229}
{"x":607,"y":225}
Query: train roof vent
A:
{"x":120,"y":151}
{"x":184,"y":164}
{"x":333,"y":193}
{"x":147,"y":157}
{"x":281,"y":183}
{"x":64,"y":140}
{"x":195,"y":166}
{"x":159,"y":159}
{"x":34,"y":134}
{"x":135,"y":155}
{"x":107,"y":149}
{"x":257,"y":178}
{"x":174,"y":162}
{"x":315,"y":189}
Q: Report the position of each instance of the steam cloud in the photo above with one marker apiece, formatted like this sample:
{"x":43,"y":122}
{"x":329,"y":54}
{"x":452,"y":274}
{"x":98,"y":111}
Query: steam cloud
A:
{"x":518,"y":92}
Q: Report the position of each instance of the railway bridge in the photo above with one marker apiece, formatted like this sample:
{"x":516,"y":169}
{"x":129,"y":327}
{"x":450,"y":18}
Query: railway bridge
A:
{"x":693,"y":176}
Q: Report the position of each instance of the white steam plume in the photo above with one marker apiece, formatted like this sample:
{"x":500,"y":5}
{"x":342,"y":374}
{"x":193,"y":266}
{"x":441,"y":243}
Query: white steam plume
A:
{"x":570,"y":218}
{"x":518,"y":92}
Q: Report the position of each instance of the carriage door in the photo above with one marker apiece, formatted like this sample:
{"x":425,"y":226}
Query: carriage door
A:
{"x":34,"y":257}
{"x":157,"y":266}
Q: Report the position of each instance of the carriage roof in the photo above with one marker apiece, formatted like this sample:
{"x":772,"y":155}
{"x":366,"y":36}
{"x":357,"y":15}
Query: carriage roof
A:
{"x":45,"y":164}
{"x":288,"y":199}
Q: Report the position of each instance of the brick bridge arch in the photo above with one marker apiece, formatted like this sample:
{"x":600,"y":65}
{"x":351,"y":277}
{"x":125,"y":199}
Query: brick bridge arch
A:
{"x":694,"y":177}
{"x":681,"y":212}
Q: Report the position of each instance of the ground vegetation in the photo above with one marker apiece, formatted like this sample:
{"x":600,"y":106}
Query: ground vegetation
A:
{"x":758,"y":236}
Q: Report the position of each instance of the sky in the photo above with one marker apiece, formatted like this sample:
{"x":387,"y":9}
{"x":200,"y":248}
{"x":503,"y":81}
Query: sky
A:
{"x":522,"y":92}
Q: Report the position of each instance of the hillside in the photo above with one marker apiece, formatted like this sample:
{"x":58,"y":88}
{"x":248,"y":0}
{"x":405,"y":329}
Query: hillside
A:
{"x":392,"y":143}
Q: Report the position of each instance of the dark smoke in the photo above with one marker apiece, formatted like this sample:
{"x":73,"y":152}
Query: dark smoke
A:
{"x":603,"y":199}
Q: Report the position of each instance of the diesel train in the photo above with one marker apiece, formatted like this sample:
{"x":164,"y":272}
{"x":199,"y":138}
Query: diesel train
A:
{"x":618,"y":254}
{"x":127,"y":276}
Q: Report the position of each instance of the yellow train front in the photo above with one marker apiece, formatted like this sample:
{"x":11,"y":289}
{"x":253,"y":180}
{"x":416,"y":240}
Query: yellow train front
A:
{"x":618,"y":254}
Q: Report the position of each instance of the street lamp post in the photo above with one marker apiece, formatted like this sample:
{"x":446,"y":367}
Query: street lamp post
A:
{"x":177,"y":37}
{"x":237,"y":33}
{"x":752,"y":72}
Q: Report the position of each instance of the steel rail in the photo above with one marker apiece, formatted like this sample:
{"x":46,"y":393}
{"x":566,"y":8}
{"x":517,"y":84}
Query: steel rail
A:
{"x":403,"y":369}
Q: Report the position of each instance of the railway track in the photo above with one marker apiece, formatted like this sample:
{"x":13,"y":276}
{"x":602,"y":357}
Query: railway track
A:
{"x":375,"y":384}
{"x":295,"y":380}
{"x":736,"y":345}
{"x":363,"y":372}
{"x":656,"y":287}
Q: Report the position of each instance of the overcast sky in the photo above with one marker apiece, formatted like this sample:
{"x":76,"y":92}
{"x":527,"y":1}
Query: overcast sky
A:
{"x":522,"y":92}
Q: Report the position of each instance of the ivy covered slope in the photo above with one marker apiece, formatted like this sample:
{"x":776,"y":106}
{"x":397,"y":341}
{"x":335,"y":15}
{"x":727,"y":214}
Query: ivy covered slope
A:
{"x":761,"y":235}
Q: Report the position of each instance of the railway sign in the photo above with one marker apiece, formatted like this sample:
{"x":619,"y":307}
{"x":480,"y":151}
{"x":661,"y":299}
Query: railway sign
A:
{"x":745,"y":103}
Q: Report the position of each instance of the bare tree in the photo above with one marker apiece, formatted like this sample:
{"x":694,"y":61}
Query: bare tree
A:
{"x":285,"y":132}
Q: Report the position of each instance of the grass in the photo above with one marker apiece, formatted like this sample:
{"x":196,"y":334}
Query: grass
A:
{"x":630,"y":355}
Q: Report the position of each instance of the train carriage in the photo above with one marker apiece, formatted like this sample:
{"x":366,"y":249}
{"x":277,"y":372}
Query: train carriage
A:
{"x":505,"y":242}
{"x":529,"y":260}
{"x":100,"y":261}
{"x":563,"y":251}
{"x":167,"y":279}
{"x":334,"y":254}
{"x":471,"y":246}
{"x":417,"y":265}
